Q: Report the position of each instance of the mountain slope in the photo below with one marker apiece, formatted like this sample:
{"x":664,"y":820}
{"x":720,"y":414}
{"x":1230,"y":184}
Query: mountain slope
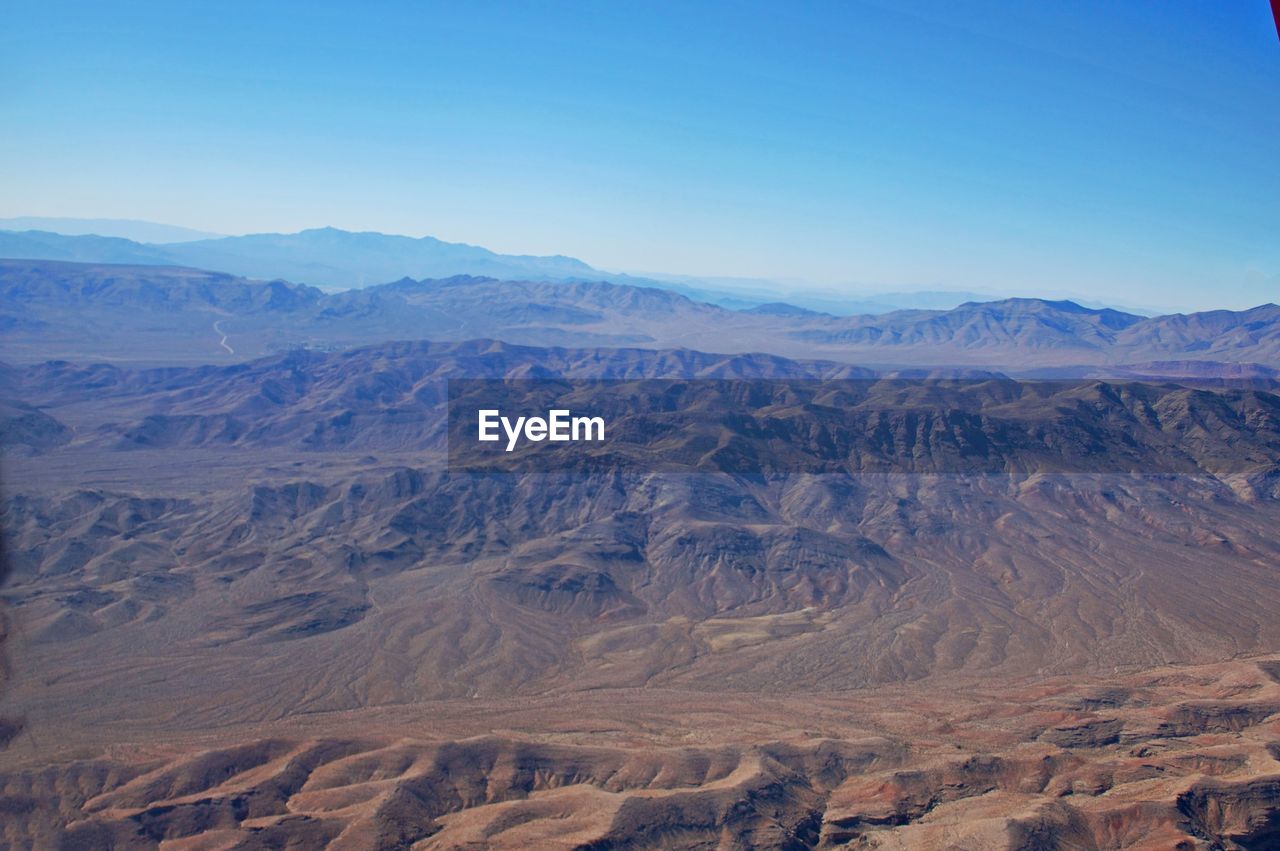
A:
{"x":325,"y":541}
{"x":52,"y":310}
{"x":328,"y":634}
{"x":44,"y":245}
{"x":1174,"y":757}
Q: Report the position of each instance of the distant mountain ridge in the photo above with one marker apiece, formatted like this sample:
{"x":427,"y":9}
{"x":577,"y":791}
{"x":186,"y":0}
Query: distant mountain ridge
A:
{"x":332,"y":259}
{"x":322,"y":257}
{"x":166,"y":315}
{"x":132,"y":229}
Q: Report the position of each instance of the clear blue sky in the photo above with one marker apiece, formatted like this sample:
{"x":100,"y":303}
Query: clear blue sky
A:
{"x":1126,"y":151}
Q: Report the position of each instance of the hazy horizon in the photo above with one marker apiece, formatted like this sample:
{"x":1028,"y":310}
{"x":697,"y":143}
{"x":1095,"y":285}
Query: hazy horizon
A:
{"x":751,"y":289}
{"x":1094,"y":150}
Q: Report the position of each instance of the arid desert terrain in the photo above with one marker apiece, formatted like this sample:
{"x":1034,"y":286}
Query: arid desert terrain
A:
{"x":252,"y":604}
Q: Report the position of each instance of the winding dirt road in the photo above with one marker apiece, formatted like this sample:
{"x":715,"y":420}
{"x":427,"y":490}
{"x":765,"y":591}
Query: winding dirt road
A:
{"x":223,"y":341}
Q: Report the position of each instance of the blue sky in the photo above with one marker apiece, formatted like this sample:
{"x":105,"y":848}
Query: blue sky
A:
{"x":1119,"y":151}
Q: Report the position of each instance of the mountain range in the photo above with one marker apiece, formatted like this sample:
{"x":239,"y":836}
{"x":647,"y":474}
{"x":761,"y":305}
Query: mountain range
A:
{"x":154,"y":314}
{"x":324,"y":256}
{"x":332,"y":259}
{"x":255,"y":604}
{"x":840,"y":581}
